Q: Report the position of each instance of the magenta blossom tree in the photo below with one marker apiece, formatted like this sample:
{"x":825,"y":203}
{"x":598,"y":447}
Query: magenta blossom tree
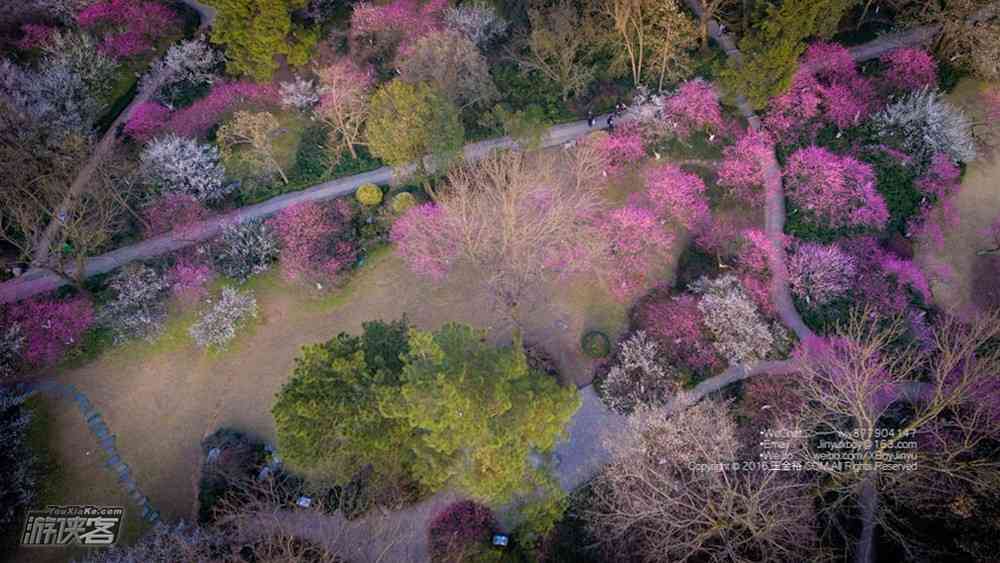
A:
{"x":675,"y":196}
{"x":309,"y":233}
{"x":818,"y":274}
{"x":395,"y":26}
{"x":836,"y":191}
{"x":618,"y":149}
{"x":173,"y":212}
{"x":694,"y":107}
{"x":188,"y":278}
{"x":196,"y":119}
{"x":146,"y":121}
{"x":676,"y":324}
{"x":636,"y":238}
{"x":35,"y":36}
{"x":741,"y":170}
{"x":50,"y":326}
{"x":885,"y":281}
{"x":460,"y":526}
{"x":909,"y":69}
{"x":130,"y":27}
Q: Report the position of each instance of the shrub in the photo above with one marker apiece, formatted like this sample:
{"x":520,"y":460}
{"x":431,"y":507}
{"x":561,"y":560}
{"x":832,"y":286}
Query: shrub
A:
{"x":369,"y":194}
{"x":218,"y":325}
{"x":924,"y":124}
{"x":403,"y":202}
{"x":18,"y":465}
{"x":311,"y":237}
{"x":595,"y":344}
{"x":460,"y":527}
{"x":300,"y":94}
{"x":245,"y":249}
{"x":137,"y":308}
{"x":639,"y":376}
{"x":49,"y":327}
{"x":741,"y":335}
{"x":11,"y":346}
{"x":180,"y":165}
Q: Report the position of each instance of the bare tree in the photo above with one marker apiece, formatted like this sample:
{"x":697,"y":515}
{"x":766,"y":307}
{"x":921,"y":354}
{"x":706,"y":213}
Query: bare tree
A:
{"x":556,"y":45}
{"x":254,"y":133}
{"x":906,"y":426}
{"x":512,"y":220}
{"x":651,"y":33}
{"x":676,"y":491}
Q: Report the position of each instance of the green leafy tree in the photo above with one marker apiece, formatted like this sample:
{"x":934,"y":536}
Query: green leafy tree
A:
{"x":327,"y":415}
{"x":772,"y":52}
{"x":476,"y":412}
{"x":410,"y":121}
{"x":254,"y":31}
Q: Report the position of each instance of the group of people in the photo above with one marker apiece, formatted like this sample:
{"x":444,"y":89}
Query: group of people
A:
{"x":618,"y":111}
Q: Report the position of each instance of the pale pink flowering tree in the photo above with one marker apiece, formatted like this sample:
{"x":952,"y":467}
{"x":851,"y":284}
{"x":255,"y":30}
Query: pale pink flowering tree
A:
{"x":636,"y":237}
{"x":394,"y":27}
{"x":146,"y":120}
{"x":818,"y":274}
{"x":675,"y":196}
{"x":940,"y":183}
{"x":753,"y":269}
{"x":50,"y":326}
{"x":837,"y":191}
{"x":617,"y":150}
{"x":424,"y":240}
{"x":694,"y":107}
{"x":307,"y":233}
{"x":741,"y":170}
{"x":188,"y":278}
{"x":829,"y":62}
{"x":345,"y":90}
{"x":909,"y":69}
{"x":35,"y":36}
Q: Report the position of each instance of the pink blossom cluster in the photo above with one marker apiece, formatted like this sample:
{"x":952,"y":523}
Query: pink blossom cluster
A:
{"x":307,"y":233}
{"x":909,"y":69}
{"x":196,"y":119}
{"x":146,"y":120}
{"x":635,"y":236}
{"x":827,"y":88}
{"x":50,"y":326}
{"x":409,"y":19}
{"x":423,"y":238}
{"x":941,"y":182}
{"x":677,"y":196}
{"x":694,"y":107}
{"x":942,"y":178}
{"x":754,"y":254}
{"x":188,"y":278}
{"x":34,"y":36}
{"x":676,"y":323}
{"x":884,"y":280}
{"x":722,"y":235}
{"x":135,"y":24}
{"x":838,"y":191}
{"x":742,"y":170}
{"x":620,"y":148}
{"x":173,"y":212}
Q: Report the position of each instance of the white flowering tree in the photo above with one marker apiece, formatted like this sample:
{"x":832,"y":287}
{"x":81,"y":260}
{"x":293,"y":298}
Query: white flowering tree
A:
{"x":181,"y":165}
{"x":639,"y":376}
{"x":926,"y":124}
{"x":245,"y":250}
{"x":741,"y":335}
{"x":138,"y":307}
{"x":186,"y":64}
{"x":477,"y":21}
{"x":218,"y":325}
{"x":300,"y":94}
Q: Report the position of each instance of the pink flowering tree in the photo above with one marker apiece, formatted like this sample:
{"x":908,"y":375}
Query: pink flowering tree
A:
{"x":636,"y":238}
{"x":198,"y":118}
{"x":741,"y":170}
{"x":940,"y":183}
{"x":834,"y":191}
{"x":174,"y":212}
{"x":35,"y":36}
{"x":146,"y":121}
{"x":424,"y":240}
{"x":885,"y":281}
{"x":312,"y":242}
{"x":694,"y":107}
{"x":345,"y":90}
{"x":676,"y":197}
{"x":129,"y":27}
{"x":380,"y":32}
{"x":617,"y":150}
{"x":676,"y":323}
{"x":909,"y":69}
{"x":818,"y":274}
{"x":50,"y":327}
{"x":460,"y":530}
{"x":188,"y":278}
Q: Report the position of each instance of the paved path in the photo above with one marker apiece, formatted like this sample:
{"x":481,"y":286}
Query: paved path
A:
{"x":41,"y":281}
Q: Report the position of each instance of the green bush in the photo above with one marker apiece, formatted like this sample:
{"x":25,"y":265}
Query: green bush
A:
{"x":402,"y":202}
{"x":895,"y":181}
{"x":596,"y":344}
{"x":369,"y":194}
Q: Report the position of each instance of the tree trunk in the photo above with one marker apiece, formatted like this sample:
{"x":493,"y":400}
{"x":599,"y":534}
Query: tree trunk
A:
{"x":865,"y":550}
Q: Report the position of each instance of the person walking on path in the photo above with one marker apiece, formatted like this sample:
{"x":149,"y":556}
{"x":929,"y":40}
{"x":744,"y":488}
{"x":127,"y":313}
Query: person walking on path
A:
{"x":611,"y":123}
{"x":590,"y":118}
